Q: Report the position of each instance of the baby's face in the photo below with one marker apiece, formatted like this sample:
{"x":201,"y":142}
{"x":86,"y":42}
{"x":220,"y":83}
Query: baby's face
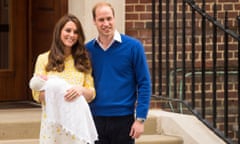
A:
{"x":44,"y":77}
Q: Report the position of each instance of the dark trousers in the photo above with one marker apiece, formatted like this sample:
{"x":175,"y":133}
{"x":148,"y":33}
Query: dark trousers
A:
{"x":114,"y":130}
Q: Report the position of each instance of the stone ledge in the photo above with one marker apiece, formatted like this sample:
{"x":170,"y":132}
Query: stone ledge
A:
{"x":20,"y":141}
{"x":20,"y":115}
{"x":20,"y":123}
{"x":188,"y":127}
{"x":159,"y":139}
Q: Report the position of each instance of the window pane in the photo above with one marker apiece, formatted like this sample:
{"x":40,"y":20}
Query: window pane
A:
{"x":4,"y":34}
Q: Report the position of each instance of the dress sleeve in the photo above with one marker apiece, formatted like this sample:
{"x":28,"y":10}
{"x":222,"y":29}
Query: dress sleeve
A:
{"x":39,"y":70}
{"x":89,"y":83}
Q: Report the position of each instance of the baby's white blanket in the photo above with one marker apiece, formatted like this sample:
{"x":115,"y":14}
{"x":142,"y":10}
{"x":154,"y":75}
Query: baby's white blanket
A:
{"x":75,"y":117}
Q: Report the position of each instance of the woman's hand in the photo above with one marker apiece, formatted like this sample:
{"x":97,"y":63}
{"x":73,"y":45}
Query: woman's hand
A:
{"x":73,"y":93}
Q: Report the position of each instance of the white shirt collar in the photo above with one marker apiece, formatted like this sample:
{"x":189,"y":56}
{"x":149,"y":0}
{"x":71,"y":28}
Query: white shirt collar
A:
{"x":116,"y":37}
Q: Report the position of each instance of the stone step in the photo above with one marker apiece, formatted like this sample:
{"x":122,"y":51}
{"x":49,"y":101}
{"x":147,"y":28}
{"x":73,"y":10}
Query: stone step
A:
{"x":20,"y":123}
{"x":159,"y":139}
{"x":151,"y":136}
{"x":144,"y":139}
{"x":22,"y":126}
{"x":20,"y":141}
{"x":150,"y":126}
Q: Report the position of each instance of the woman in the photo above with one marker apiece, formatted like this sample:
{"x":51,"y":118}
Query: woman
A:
{"x":68,"y":60}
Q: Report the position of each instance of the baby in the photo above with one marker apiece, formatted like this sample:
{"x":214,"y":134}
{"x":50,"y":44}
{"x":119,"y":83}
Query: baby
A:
{"x":37,"y":82}
{"x":74,"y":117}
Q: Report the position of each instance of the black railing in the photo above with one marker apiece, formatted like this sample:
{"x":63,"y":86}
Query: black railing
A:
{"x":198,"y":63}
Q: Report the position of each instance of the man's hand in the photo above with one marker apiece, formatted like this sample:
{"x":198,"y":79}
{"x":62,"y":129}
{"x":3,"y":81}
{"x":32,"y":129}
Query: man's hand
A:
{"x":137,"y":129}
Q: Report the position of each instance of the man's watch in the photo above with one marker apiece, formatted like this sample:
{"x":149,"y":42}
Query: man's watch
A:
{"x":141,"y":120}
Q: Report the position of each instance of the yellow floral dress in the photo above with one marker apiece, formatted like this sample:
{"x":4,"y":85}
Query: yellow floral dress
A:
{"x":54,"y":134}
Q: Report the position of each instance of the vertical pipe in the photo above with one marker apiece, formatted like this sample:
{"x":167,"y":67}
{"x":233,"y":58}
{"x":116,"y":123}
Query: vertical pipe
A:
{"x":226,"y":76}
{"x":203,"y":40}
{"x":193,"y":58}
{"x":183,"y":48}
{"x":167,"y":48}
{"x":160,"y":47}
{"x":214,"y":69}
{"x":153,"y":47}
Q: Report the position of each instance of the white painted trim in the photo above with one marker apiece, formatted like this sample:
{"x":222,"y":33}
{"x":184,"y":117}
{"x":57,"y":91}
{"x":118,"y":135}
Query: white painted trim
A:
{"x":83,"y":10}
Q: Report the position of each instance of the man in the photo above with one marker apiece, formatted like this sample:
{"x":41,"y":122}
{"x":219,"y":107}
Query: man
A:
{"x":122,"y":81}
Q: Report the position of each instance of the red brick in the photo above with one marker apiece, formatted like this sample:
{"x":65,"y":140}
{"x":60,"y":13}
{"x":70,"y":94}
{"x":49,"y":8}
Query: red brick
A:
{"x":129,"y":8}
{"x":140,"y":8}
{"x":132,"y":16}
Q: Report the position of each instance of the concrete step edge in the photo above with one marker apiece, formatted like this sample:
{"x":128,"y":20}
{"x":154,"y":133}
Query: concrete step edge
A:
{"x":20,"y":115}
{"x":20,"y":141}
{"x":150,"y":126}
{"x":19,"y":131}
{"x":159,"y":138}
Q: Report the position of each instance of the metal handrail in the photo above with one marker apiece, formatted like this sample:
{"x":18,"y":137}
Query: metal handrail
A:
{"x":195,"y":113}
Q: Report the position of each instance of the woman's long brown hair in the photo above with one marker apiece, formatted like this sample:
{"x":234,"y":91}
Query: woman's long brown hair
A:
{"x":80,"y":55}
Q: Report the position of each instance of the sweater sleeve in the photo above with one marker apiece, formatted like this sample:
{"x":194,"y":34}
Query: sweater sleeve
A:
{"x":89,"y":83}
{"x":142,"y":76}
{"x":39,"y":70}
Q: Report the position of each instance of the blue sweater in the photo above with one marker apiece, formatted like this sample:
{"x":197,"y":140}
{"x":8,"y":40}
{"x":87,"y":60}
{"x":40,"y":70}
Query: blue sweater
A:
{"x":121,"y":78}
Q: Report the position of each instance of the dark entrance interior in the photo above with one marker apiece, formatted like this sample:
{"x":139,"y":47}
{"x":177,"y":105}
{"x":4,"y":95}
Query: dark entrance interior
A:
{"x":25,"y":31}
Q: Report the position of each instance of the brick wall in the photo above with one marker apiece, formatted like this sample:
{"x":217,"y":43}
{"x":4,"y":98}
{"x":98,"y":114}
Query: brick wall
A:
{"x":138,"y":24}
